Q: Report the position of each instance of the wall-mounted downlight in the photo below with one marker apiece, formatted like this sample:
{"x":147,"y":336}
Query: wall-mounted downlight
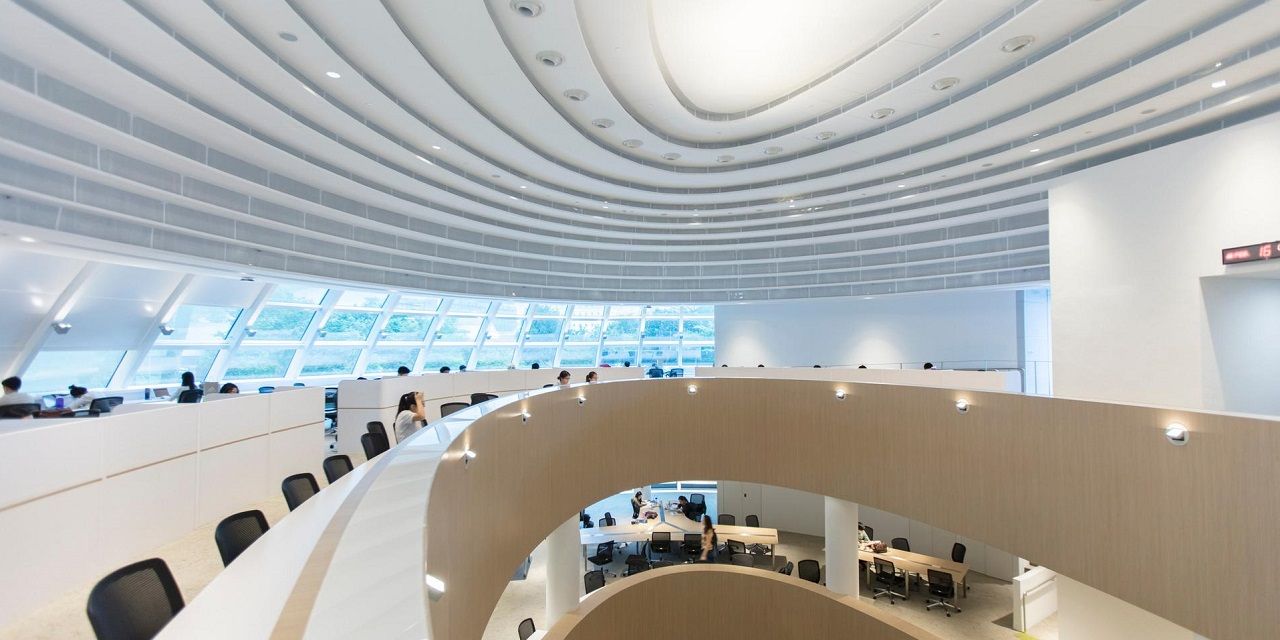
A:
{"x":671,"y":156}
{"x":840,"y":394}
{"x":549,"y":58}
{"x":693,"y":389}
{"x":468,"y":456}
{"x":1176,"y":434}
{"x":1016,"y":43}
{"x":602,"y":123}
{"x":576,"y":95}
{"x":632,"y":143}
{"x":287,"y":37}
{"x":824,"y":135}
{"x":881,"y":114}
{"x":527,"y":8}
{"x":962,"y":405}
{"x":942,"y":84}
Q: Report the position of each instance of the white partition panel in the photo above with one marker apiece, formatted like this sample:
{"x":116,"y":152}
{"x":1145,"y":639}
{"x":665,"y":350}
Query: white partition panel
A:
{"x":246,"y":417}
{"x":41,"y":459}
{"x":231,"y":476}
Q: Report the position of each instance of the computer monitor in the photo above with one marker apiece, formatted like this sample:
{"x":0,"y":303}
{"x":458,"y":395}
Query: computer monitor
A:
{"x":210,"y":388}
{"x":160,"y":392}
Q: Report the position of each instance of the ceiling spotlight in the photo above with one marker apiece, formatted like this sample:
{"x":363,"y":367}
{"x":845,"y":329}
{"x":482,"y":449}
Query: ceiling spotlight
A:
{"x":840,"y":394}
{"x":524,"y":186}
{"x":61,"y":328}
{"x":436,"y":147}
{"x":527,"y":8}
{"x":1035,"y":150}
{"x":435,"y":586}
{"x":1017,"y":43}
{"x":962,"y":406}
{"x":468,"y":456}
{"x":945,"y":83}
{"x":1176,"y":434}
{"x":549,"y":58}
{"x":881,"y":114}
{"x":602,"y":123}
{"x":166,"y":328}
{"x":825,"y":135}
{"x":576,"y":95}
{"x":772,"y":151}
{"x":1218,"y":84}
{"x":693,"y":389}
{"x":724,"y":159}
{"x":671,"y":156}
{"x":287,"y":37}
{"x":632,"y":143}
{"x":333,"y":74}
{"x":525,"y":416}
{"x":582,"y":400}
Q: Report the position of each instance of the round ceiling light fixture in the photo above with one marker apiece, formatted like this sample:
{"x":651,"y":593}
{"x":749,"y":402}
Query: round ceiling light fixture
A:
{"x":550,"y":58}
{"x":632,"y":143}
{"x":527,"y":8}
{"x":881,"y":114}
{"x":942,"y":84}
{"x":825,"y":135}
{"x":724,"y":159}
{"x":1147,"y":112}
{"x":333,"y":74}
{"x":602,"y":123}
{"x":772,"y":151}
{"x":576,"y":95}
{"x":671,"y":156}
{"x":1017,"y":43}
{"x":287,"y":37}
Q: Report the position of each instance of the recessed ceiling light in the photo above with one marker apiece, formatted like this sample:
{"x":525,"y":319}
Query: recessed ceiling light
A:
{"x":671,"y":156}
{"x":724,"y":159}
{"x":1218,"y":84}
{"x":287,"y":37}
{"x":527,"y":8}
{"x":1044,"y":162}
{"x":1147,"y":112}
{"x":791,"y":206}
{"x":1036,"y":150}
{"x":602,"y":123}
{"x":908,"y":196}
{"x":1217,"y":65}
{"x":945,"y":83}
{"x":902,"y":186}
{"x":524,"y":186}
{"x":881,"y":114}
{"x":436,"y":147}
{"x":310,"y":90}
{"x":694,"y":224}
{"x":772,"y":151}
{"x":1017,"y":43}
{"x":794,"y":215}
{"x":26,"y":239}
{"x":512,"y":197}
{"x":549,"y":58}
{"x":605,"y":206}
{"x":632,"y":143}
{"x":333,"y":74}
{"x":424,"y":159}
{"x":825,"y":135}
{"x":576,"y":95}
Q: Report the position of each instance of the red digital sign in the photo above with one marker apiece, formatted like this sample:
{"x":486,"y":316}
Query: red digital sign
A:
{"x":1251,"y":253}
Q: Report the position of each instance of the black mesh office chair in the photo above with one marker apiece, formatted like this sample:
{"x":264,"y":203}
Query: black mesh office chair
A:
{"x":809,"y":570}
{"x":660,"y":542}
{"x":593,"y":580}
{"x":336,"y":466}
{"x":661,"y":563}
{"x":607,"y":520}
{"x":692,"y":546}
{"x":636,"y":564}
{"x":752,"y":521}
{"x":699,"y":503}
{"x":526,"y":628}
{"x":871,"y":533}
{"x":374,"y":444}
{"x":190,"y":396}
{"x":376,"y":426}
{"x":105,"y":405}
{"x":298,"y":488}
{"x":603,"y":557}
{"x":236,"y":532}
{"x":957,"y":552}
{"x":742,"y":560}
{"x":134,"y":602}
{"x":452,"y":407}
{"x":900,"y":544}
{"x":888,"y":576}
{"x":23,"y":410}
{"x":726,"y":518}
{"x":477,"y":398}
{"x":786,"y":569}
{"x":676,"y":373}
{"x":942,"y":586}
{"x":735,"y":546}
{"x":266,"y":389}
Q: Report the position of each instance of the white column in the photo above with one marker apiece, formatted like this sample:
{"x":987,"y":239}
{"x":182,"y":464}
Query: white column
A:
{"x":564,"y":569}
{"x":842,"y":545}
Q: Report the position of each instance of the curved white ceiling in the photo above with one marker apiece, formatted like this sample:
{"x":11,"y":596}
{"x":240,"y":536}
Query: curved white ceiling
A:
{"x":710,"y":151}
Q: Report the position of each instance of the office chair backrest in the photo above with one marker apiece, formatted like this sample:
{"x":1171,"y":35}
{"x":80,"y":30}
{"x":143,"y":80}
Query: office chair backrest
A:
{"x":526,"y":628}
{"x":299,"y":384}
{"x":375,"y":444}
{"x":593,"y":580}
{"x":660,"y":536}
{"x":697,"y":498}
{"x":548,"y":385}
{"x":105,"y":405}
{"x":957,"y":552}
{"x":658,"y":564}
{"x":726,"y":518}
{"x":787,"y":568}
{"x":134,"y":602}
{"x":236,"y":532}
{"x":298,"y":487}
{"x":871,"y":533}
{"x":190,"y":396}
{"x":336,"y":466}
{"x":810,"y":570}
{"x":885,"y":571}
{"x":742,"y":560}
{"x":900,"y":544}
{"x":477,"y":398}
{"x":735,"y":546}
{"x":452,"y":407}
{"x":376,"y":426}
{"x":607,"y":521}
{"x":940,"y":583}
{"x":266,"y":389}
{"x":605,"y":549}
{"x":692,"y":541}
{"x":753,"y":521}
{"x":19,"y":410}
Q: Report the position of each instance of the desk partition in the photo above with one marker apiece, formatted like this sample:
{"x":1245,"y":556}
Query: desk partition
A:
{"x":81,"y":496}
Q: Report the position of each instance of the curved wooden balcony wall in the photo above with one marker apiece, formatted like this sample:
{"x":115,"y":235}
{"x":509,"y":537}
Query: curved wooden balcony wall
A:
{"x":1089,"y":489}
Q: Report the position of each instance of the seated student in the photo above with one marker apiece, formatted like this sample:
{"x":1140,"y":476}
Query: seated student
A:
{"x":863,"y":538}
{"x":685,"y":507}
{"x":535,"y":366}
{"x":444,"y":369}
{"x":637,"y":501}
{"x":626,"y":363}
{"x":12,"y":393}
{"x":402,"y":371}
{"x":189,"y":380}
{"x":410,"y":415}
{"x":462,"y":368}
{"x":928,"y":365}
{"x":80,"y":398}
{"x":229,"y":388}
{"x":563,"y":378}
{"x":591,"y":377}
{"x":654,"y":371}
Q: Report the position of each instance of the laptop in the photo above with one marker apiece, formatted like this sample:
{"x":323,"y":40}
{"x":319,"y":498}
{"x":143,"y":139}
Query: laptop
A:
{"x":160,"y":392}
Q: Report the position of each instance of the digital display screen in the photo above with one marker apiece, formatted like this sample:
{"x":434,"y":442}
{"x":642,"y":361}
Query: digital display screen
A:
{"x":1251,"y":253}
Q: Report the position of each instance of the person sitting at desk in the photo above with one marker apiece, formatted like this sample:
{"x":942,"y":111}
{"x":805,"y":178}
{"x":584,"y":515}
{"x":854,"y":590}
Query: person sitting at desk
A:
{"x":409,"y":416}
{"x":403,"y":371}
{"x":444,"y":369}
{"x":563,"y":378}
{"x":80,"y":398}
{"x":709,"y":540}
{"x":591,"y":377}
{"x":12,"y":393}
{"x":189,"y":381}
{"x":685,"y":507}
{"x":654,"y":371}
{"x":637,"y":501}
{"x":863,"y":538}
{"x":229,"y":388}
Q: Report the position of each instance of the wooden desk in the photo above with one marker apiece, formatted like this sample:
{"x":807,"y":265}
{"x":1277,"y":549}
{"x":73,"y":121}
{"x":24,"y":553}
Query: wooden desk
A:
{"x":916,"y":563}
{"x":677,"y":525}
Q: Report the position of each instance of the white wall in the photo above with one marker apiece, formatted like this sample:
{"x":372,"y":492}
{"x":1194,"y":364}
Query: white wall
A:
{"x":947,"y":326}
{"x":1130,"y":243}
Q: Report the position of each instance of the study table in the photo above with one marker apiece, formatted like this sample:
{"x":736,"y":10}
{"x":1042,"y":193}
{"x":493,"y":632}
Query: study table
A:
{"x":915,"y":563}
{"x":677,"y":525}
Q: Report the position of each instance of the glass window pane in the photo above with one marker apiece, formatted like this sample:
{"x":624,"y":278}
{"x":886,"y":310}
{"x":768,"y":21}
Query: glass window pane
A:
{"x":544,"y":356}
{"x":505,"y":329}
{"x":195,"y":323}
{"x":664,"y":311}
{"x":580,"y":356}
{"x":407,"y":326}
{"x":588,"y":311}
{"x":544,"y":330}
{"x":699,"y":329}
{"x":258,"y":362}
{"x":446,"y":357}
{"x":661,"y":328}
{"x":54,"y":371}
{"x":513,"y":308}
{"x":164,"y":367}
{"x":549,"y":309}
{"x":582,"y":330}
{"x":298,"y":294}
{"x":362,"y":299}
{"x":281,"y":323}
{"x":664,"y":355}
{"x":698,"y":310}
{"x":418,"y":303}
{"x":701,"y":356}
{"x":330,"y":361}
{"x":468,"y":305}
{"x":495,"y":357}
{"x":617,"y":355}
{"x":348,"y":325}
{"x":625,"y":311}
{"x":621,"y":330}
{"x":389,"y":359}
{"x":455,"y":329}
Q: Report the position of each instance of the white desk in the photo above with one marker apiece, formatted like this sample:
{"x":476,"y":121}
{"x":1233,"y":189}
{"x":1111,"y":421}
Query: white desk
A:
{"x":677,"y":525}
